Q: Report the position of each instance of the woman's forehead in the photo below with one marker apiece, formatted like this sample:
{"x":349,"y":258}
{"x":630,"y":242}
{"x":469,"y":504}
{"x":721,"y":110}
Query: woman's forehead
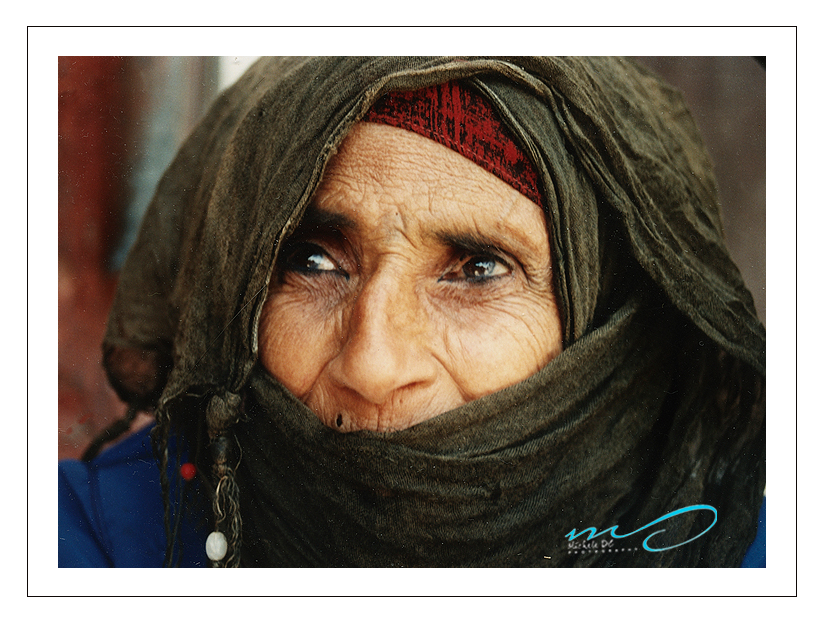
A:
{"x":385,"y":177}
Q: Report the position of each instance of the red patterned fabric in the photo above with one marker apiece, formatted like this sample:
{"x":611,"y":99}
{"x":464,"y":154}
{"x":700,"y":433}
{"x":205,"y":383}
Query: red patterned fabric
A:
{"x":462,"y":120}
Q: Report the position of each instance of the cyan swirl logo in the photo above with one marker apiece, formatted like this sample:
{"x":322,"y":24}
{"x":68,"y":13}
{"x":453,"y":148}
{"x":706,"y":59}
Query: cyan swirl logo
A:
{"x":655,"y":547}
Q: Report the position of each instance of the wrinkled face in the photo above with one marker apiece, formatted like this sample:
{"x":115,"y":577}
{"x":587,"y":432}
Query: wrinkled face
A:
{"x":417,"y":282}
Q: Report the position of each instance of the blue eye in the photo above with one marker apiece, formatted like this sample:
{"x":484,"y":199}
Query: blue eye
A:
{"x":309,"y":258}
{"x":478,"y":268}
{"x":481,"y":268}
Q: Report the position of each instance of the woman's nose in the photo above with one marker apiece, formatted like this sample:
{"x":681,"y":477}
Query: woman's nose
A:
{"x":384,"y":349}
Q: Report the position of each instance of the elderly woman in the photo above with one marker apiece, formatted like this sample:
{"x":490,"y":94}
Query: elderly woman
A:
{"x":432,"y":312}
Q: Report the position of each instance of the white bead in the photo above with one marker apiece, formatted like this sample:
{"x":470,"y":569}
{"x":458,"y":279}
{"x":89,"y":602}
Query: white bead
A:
{"x":216,"y":546}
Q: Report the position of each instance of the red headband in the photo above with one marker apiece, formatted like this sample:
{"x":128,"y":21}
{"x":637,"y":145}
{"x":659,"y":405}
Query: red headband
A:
{"x":462,"y":120}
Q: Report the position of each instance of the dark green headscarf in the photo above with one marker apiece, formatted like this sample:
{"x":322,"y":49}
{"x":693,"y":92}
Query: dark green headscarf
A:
{"x":656,"y":403}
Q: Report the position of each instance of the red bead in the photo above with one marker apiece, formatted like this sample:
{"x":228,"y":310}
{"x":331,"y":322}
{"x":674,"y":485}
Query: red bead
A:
{"x":187,"y":471}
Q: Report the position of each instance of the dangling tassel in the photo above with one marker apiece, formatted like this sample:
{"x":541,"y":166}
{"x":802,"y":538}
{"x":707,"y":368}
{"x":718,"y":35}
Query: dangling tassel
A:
{"x":223,"y":545}
{"x":160,"y":446}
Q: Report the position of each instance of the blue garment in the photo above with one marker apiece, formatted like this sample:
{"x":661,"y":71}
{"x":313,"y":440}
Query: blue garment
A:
{"x":110,"y":513}
{"x":756,"y":555}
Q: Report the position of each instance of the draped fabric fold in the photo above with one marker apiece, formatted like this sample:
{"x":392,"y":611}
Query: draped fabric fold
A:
{"x":655,"y":404}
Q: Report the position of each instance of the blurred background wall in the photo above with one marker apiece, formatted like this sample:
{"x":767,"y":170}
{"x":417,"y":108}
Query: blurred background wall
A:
{"x":121,"y":121}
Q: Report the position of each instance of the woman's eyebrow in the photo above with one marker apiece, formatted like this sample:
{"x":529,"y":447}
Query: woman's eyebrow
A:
{"x":321,"y":218}
{"x":479,"y":242}
{"x":470,"y":241}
